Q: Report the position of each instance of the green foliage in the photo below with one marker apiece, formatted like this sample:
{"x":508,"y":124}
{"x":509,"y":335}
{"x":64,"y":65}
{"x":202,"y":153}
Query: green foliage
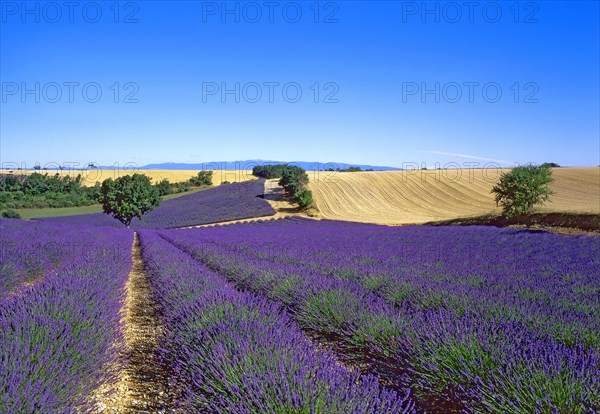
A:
{"x":293,"y":179}
{"x":289,"y":182}
{"x":551,"y":164}
{"x":202,"y":178}
{"x":39,"y":190}
{"x":305,"y":198}
{"x":164,"y":187}
{"x":11,"y":182}
{"x":330,"y":310}
{"x":35,"y":184}
{"x":42,"y":190}
{"x":275,"y":171}
{"x":350,"y":169}
{"x":128,"y":197}
{"x":11,"y":214}
{"x":182,"y":187}
{"x":95,"y":192}
{"x":523,"y":188}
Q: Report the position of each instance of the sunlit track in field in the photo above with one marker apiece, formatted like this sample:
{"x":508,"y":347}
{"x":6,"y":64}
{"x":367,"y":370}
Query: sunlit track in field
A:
{"x":142,"y":384}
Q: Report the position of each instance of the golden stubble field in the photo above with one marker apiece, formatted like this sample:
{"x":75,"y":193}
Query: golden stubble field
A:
{"x":404,"y":197}
{"x":92,"y":176}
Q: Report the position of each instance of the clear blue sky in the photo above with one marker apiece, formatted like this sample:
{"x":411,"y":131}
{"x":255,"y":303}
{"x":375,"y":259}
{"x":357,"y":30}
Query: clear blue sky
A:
{"x":365,"y":63}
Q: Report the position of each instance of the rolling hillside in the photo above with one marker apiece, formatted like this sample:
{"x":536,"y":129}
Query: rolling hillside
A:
{"x":402,"y":197}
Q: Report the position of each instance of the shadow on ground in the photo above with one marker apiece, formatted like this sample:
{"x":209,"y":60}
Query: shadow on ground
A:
{"x":538,"y":221}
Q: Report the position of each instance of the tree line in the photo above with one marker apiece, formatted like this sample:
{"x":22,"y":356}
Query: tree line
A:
{"x":39,"y":190}
{"x":517,"y":191}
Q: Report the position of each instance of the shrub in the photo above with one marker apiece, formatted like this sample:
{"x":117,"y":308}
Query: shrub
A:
{"x":11,"y":214}
{"x":164,"y":187}
{"x":95,"y":192}
{"x":275,"y":171}
{"x":42,"y":190}
{"x":183,"y":186}
{"x":305,"y":198}
{"x":293,"y":180}
{"x":350,"y":169}
{"x":523,"y":188}
{"x":202,"y":178}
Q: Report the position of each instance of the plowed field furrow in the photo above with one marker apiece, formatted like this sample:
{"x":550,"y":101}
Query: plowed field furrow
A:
{"x":403,"y":197}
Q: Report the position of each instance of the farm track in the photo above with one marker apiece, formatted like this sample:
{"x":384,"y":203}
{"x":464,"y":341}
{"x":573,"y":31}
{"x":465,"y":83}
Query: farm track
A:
{"x":142,"y":385}
{"x":413,"y":197}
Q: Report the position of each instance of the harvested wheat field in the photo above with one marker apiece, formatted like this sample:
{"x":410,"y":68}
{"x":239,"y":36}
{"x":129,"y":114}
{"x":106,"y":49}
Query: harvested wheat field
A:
{"x":403,"y":197}
{"x":91,"y":176}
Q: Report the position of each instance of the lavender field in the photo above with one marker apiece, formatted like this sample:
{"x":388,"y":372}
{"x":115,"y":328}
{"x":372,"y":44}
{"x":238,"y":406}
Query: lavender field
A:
{"x":61,"y":333}
{"x":240,"y":352}
{"x":471,"y":319}
{"x":224,"y":203}
{"x":300,"y":207}
{"x":299,"y":315}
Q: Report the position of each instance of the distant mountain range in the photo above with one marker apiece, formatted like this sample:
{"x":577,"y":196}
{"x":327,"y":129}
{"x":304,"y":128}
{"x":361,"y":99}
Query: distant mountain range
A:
{"x":249,"y":164}
{"x":229,"y":165}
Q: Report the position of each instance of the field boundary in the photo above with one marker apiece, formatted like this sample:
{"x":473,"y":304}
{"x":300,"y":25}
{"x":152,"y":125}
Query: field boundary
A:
{"x":566,"y":223}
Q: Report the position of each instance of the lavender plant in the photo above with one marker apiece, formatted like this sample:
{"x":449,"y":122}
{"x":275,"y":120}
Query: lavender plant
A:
{"x":59,"y":337}
{"x":224,"y":203}
{"x":239,"y":352}
{"x":462,"y":309}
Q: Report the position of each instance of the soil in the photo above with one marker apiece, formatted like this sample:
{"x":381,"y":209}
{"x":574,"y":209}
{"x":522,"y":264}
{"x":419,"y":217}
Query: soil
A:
{"x":142,"y":385}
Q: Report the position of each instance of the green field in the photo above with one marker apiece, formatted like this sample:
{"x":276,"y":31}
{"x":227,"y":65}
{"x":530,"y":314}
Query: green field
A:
{"x":32,"y":213}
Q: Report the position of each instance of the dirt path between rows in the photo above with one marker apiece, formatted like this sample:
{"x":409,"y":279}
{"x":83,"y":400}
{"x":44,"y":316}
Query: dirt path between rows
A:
{"x":142,"y":385}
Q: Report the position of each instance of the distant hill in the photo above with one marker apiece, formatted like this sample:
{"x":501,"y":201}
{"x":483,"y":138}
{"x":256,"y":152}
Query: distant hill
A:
{"x":248,"y":164}
{"x":232,"y":165}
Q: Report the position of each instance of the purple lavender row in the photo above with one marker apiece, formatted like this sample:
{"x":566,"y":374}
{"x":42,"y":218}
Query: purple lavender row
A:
{"x":469,"y":355}
{"x":224,"y":203}
{"x":238,"y":352}
{"x":447,"y":268}
{"x":95,"y":219}
{"x":29,"y":251}
{"x":58,"y":338}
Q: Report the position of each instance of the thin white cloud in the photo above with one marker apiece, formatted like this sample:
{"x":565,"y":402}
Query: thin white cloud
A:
{"x":473,"y":157}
